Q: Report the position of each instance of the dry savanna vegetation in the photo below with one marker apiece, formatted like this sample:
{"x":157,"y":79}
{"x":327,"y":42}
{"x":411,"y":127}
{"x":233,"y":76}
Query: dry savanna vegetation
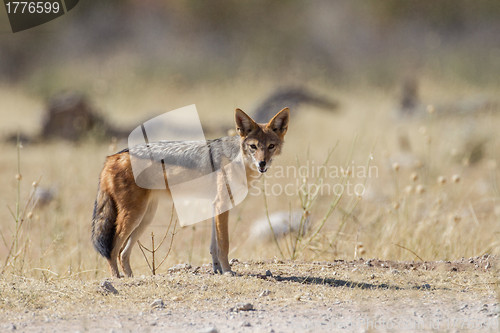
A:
{"x":382,"y":214}
{"x":364,"y":182}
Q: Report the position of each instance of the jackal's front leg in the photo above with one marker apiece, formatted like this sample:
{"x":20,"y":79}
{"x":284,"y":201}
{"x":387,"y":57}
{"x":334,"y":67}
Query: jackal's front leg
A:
{"x":214,"y":249}
{"x":219,"y":247}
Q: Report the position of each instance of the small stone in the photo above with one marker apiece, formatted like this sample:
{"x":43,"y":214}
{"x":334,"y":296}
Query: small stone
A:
{"x":179,"y":267}
{"x":210,"y":330}
{"x":157,"y":304}
{"x":245,"y":324}
{"x":107,"y":288}
{"x":242,"y":307}
{"x":265,"y":292}
{"x":176,"y":298}
{"x":268,"y":273}
{"x":233,"y":261}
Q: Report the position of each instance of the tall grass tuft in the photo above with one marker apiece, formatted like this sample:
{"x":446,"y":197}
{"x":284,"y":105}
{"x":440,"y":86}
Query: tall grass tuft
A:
{"x":15,"y":258}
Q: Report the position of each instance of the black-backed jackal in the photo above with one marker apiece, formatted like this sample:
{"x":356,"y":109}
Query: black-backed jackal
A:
{"x":123,"y":210}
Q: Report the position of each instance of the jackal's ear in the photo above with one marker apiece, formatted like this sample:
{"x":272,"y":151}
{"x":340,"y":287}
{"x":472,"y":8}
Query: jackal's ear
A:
{"x":279,"y":123}
{"x":244,"y":124}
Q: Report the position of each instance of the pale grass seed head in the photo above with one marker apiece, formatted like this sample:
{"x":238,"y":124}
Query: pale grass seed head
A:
{"x":414,"y":176}
{"x":409,"y":189}
{"x":113,"y":145}
{"x":361,"y":249}
{"x":454,"y":218}
{"x":418,"y":164}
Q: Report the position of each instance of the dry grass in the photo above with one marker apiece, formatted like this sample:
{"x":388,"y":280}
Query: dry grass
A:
{"x":414,"y":208}
{"x":398,"y":218}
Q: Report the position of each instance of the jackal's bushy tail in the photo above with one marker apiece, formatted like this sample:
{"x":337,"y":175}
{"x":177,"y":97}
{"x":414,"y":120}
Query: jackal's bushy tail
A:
{"x":104,"y":223}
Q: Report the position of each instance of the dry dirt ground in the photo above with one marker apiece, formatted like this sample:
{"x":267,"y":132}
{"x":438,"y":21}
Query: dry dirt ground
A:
{"x":266,"y":296}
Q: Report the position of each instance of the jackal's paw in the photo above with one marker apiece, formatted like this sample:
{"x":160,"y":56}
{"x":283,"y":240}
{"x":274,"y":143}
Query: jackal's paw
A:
{"x":230,"y":273}
{"x":217,"y":268}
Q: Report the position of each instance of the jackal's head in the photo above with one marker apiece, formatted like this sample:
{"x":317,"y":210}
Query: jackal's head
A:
{"x":261,"y":142}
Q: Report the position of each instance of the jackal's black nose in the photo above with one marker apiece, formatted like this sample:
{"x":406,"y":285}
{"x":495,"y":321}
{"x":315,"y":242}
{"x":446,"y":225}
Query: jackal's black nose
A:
{"x":262,"y":164}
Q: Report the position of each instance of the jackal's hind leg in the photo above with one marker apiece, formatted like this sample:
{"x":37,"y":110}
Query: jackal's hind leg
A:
{"x":113,"y":267}
{"x":135,"y":235}
{"x":126,"y":223}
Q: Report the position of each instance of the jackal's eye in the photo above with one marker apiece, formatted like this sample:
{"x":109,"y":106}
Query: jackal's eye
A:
{"x":271,"y":146}
{"x":253,"y":147}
